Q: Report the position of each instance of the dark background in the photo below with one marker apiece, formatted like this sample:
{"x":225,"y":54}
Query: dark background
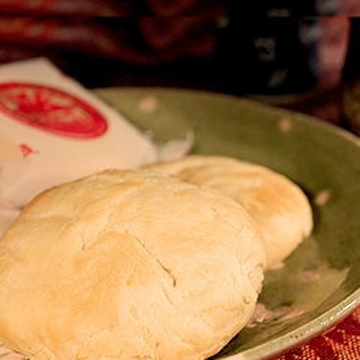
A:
{"x":304,"y":56}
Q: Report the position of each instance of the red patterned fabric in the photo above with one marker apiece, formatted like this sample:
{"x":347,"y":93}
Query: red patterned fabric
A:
{"x":339,"y":343}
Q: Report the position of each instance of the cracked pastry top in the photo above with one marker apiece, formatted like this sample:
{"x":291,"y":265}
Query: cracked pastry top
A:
{"x":128,"y":265}
{"x":278,"y":205}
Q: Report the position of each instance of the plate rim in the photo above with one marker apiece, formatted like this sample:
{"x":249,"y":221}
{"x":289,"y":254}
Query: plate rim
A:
{"x":302,"y":117}
{"x":303,"y":333}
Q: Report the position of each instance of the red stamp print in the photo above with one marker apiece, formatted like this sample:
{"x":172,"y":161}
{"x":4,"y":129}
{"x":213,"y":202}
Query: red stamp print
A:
{"x":51,"y":110}
{"x":27,"y":150}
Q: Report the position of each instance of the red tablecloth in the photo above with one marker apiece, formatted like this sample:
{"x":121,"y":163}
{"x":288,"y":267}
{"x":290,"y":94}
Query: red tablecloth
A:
{"x":340,"y":342}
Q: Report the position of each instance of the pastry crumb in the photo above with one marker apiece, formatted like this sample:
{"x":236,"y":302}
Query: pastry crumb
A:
{"x":322,"y":197}
{"x":263,"y":314}
{"x":285,"y":125}
{"x":277,"y":266}
{"x":260,"y":315}
{"x":148,"y":104}
{"x":310,"y":276}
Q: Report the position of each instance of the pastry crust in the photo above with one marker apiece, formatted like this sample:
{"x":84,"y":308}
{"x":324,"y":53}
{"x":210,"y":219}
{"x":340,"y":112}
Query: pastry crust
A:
{"x":128,"y":265}
{"x":277,"y":204}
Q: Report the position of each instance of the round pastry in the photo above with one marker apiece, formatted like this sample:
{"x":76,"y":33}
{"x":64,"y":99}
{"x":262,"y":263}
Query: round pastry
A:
{"x":128,"y":265}
{"x":279,"y":206}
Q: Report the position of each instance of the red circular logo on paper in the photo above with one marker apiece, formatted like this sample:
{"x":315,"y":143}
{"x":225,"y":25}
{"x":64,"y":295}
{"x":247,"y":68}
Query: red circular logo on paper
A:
{"x":52,"y":110}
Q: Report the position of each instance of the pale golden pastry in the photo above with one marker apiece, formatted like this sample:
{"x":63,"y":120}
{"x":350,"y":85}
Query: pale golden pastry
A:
{"x":277,"y":204}
{"x":127,"y":265}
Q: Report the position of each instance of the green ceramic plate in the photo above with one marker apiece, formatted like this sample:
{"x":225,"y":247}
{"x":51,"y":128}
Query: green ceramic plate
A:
{"x":320,"y":282}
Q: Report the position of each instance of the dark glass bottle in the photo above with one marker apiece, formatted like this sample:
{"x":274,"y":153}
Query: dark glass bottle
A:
{"x":266,"y":50}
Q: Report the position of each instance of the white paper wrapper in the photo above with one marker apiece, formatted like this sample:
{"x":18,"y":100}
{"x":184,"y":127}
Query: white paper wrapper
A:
{"x":52,"y":130}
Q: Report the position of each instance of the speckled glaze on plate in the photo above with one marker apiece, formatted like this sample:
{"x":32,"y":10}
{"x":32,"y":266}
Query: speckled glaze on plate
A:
{"x":320,"y":282}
